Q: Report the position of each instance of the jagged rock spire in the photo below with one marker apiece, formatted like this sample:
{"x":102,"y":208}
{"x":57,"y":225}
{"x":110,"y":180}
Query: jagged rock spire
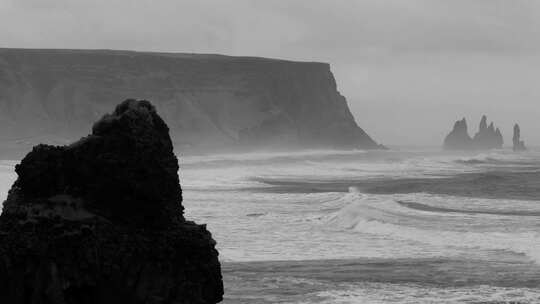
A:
{"x":487,"y":137}
{"x":483,"y":123}
{"x":518,"y":144}
{"x":458,"y":138}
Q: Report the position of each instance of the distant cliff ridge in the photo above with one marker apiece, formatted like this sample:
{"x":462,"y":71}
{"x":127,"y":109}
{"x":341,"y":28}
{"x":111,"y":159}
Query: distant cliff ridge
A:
{"x":487,"y":137}
{"x":210,"y":102}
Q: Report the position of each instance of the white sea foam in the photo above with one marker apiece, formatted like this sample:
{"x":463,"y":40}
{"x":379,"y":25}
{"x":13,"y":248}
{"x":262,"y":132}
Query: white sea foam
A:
{"x":382,"y":215}
{"x":248,"y":170}
{"x":295,"y":226}
{"x":380,"y":293}
{"x":499,"y":157}
{"x":7,"y":177}
{"x":359,"y":226}
{"x":199,"y":159}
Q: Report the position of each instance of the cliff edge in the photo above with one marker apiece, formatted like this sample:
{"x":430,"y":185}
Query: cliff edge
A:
{"x":210,"y":102}
{"x":101,"y":221}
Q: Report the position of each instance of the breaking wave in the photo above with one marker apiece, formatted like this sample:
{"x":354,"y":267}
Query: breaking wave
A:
{"x":498,"y":158}
{"x":445,"y":222}
{"x":424,"y":207}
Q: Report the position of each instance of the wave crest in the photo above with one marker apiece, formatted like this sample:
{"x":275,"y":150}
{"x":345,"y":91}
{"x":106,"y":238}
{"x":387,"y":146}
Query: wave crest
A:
{"x":384,"y":216}
{"x":494,"y":158}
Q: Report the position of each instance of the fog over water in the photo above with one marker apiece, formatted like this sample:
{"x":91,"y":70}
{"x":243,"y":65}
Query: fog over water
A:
{"x":408,"y":68}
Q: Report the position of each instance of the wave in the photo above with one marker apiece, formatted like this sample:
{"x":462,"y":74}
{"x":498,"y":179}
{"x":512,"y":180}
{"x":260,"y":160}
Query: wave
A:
{"x":7,"y":177}
{"x":9,"y":163}
{"x":424,"y":207}
{"x":440,"y":227}
{"x":499,"y":157}
{"x":265,"y":157}
{"x":476,"y":161}
{"x":321,"y":171}
{"x":378,"y":293}
{"x":329,"y":163}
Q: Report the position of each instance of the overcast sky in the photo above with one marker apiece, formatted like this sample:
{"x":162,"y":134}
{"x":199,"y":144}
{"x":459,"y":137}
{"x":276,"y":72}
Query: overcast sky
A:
{"x":408,"y":68}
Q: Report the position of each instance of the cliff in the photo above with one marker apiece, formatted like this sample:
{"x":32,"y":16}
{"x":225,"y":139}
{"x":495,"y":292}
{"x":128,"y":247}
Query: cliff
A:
{"x":101,"y":221}
{"x":487,"y":137}
{"x":210,"y":102}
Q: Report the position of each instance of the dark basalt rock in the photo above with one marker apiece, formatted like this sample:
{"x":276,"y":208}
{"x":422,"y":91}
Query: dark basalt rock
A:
{"x":487,"y":137}
{"x":459,"y":138}
{"x":100,"y":221}
{"x":519,"y":145}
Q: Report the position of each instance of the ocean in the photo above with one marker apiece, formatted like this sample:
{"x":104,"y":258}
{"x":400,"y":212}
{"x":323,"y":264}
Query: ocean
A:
{"x":400,"y":226}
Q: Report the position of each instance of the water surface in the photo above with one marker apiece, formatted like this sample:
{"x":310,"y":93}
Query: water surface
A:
{"x":368,"y":227}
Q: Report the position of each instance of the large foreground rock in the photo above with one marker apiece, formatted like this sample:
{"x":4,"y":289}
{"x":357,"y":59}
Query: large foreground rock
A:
{"x":100,"y":221}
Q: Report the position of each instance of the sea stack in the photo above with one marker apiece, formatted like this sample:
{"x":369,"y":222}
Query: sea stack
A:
{"x":458,"y":138}
{"x":519,"y":145}
{"x":101,"y":221}
{"x":487,"y":137}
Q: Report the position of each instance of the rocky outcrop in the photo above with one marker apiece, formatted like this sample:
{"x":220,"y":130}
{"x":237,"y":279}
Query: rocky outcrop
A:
{"x":487,"y":137}
{"x":210,"y":102}
{"x":458,"y":138}
{"x":518,"y":144}
{"x":101,"y":221}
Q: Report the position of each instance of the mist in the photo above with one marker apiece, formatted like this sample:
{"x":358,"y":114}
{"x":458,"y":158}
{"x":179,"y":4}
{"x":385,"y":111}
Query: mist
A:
{"x":408,"y":69}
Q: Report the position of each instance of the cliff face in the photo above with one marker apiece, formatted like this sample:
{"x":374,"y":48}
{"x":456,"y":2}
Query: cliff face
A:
{"x":101,"y":221}
{"x":210,"y":102}
{"x":487,"y":137}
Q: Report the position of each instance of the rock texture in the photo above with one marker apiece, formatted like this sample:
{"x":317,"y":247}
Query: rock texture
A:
{"x":518,"y":144}
{"x":210,"y":102}
{"x":487,"y":137}
{"x":101,"y":221}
